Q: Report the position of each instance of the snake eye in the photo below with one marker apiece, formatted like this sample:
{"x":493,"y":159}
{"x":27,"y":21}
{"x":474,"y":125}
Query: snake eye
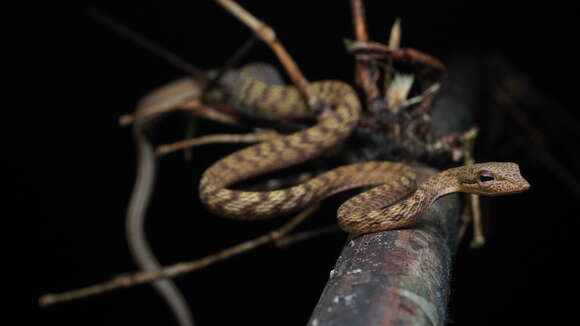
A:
{"x":485,"y":176}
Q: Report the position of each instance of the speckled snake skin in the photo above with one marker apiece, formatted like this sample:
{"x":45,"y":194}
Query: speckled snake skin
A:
{"x":395,"y":203}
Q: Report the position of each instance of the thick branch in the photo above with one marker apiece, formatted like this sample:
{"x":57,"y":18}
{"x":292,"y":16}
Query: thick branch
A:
{"x":397,"y":277}
{"x":401,"y":277}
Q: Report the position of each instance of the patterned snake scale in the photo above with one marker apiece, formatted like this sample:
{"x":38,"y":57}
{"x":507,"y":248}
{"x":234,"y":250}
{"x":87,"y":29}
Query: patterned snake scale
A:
{"x":396,"y":202}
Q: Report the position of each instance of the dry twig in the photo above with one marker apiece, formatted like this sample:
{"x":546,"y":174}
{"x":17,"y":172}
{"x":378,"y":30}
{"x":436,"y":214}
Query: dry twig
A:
{"x":213,"y":139}
{"x":132,"y":279}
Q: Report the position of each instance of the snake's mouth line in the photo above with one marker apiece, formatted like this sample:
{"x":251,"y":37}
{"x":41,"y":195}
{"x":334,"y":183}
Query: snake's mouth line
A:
{"x":512,"y":192}
{"x":519,"y":191}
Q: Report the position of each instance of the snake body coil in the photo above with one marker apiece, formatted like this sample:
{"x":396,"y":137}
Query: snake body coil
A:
{"x":262,"y":99}
{"x":395,"y":203}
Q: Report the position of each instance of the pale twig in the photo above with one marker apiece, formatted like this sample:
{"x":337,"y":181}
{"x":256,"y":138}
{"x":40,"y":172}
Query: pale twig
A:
{"x":358,"y":16}
{"x":221,"y":115}
{"x":395,"y":35}
{"x":162,"y":150}
{"x":132,"y":279}
{"x":478,"y":239}
{"x":423,"y":98}
{"x":198,"y":76}
{"x":135,"y":225}
{"x":130,"y":118}
{"x":194,"y":106}
{"x":406,"y":55}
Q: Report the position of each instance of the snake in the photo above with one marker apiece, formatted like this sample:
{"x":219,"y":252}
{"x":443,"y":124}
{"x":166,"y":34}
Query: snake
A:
{"x":398,"y":198}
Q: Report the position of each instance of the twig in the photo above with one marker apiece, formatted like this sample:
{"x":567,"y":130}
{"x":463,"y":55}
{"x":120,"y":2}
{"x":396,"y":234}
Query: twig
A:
{"x":167,"y":98}
{"x":135,"y":225}
{"x":162,"y":150}
{"x":194,"y":106}
{"x":267,"y":34}
{"x":362,"y":70}
{"x":478,"y":239}
{"x":132,"y":279}
{"x":147,"y":44}
{"x":407,"y":55}
{"x":198,"y":75}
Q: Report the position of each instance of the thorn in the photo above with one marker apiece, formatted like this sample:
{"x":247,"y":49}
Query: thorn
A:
{"x":395,"y":37}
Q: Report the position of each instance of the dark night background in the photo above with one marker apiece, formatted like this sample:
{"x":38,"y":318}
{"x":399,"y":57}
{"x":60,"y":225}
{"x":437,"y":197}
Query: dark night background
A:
{"x":80,"y":178}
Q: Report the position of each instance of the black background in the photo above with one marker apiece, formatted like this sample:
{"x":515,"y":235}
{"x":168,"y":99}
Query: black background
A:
{"x":76,"y":185}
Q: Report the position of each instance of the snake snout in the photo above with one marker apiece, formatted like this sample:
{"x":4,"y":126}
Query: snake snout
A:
{"x":526,"y":185}
{"x":521,"y":186}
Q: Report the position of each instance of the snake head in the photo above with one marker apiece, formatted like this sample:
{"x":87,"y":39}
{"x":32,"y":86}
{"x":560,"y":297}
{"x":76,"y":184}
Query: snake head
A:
{"x":492,"y":179}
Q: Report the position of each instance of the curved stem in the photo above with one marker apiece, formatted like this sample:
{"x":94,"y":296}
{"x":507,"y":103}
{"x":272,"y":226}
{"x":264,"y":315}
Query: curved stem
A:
{"x":135,"y":223}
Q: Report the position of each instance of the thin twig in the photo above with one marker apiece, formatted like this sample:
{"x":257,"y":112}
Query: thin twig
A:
{"x":194,"y":106}
{"x":162,"y":150}
{"x":132,"y":279}
{"x":362,"y":70}
{"x":478,"y":238}
{"x":198,"y":75}
{"x":130,"y":118}
{"x":407,"y":55}
{"x":135,"y":225}
{"x":147,"y":44}
{"x":215,"y":113}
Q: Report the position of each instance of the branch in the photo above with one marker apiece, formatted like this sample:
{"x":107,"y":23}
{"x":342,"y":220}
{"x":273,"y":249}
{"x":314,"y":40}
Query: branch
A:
{"x":398,"y":277}
{"x":136,"y":278}
{"x":401,"y":277}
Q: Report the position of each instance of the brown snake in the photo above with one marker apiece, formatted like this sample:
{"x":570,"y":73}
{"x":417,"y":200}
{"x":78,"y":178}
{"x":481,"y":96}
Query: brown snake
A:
{"x":396,"y":203}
